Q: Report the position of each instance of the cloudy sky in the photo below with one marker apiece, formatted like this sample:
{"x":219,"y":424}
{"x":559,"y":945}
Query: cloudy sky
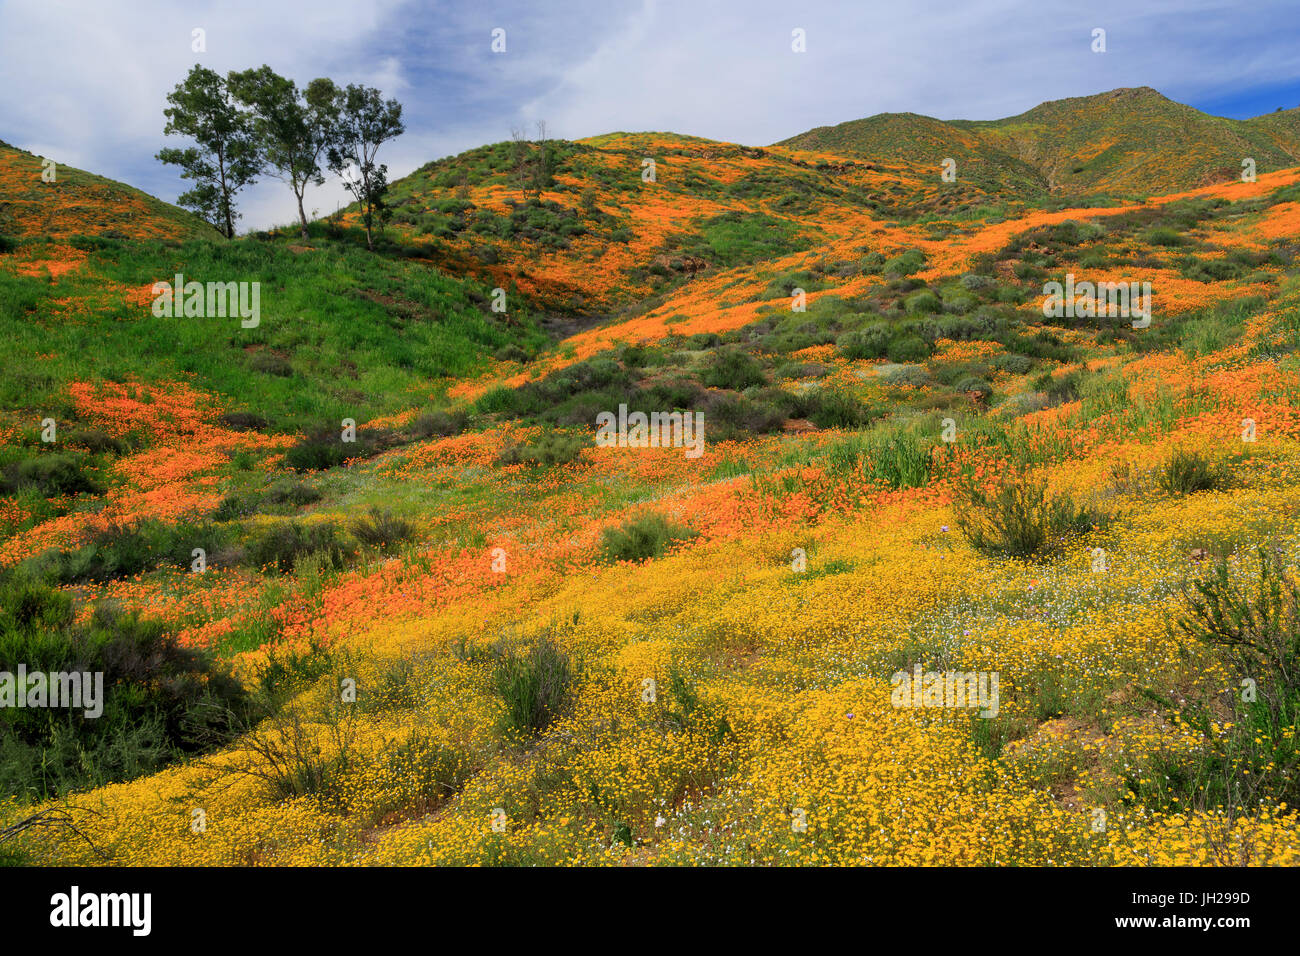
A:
{"x":84,"y":81}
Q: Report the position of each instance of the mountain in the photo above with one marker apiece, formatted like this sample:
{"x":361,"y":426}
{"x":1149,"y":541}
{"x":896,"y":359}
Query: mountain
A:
{"x":1128,"y":142}
{"x":80,"y":203}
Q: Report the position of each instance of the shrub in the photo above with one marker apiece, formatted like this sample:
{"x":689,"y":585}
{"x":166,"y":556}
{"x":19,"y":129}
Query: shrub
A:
{"x":120,"y":550}
{"x":729,"y":413}
{"x":801,"y":370}
{"x":833,"y":408}
{"x":382,"y":530}
{"x":1013,"y":364}
{"x":1185,"y":472}
{"x":160,"y":700}
{"x":97,"y":441}
{"x":282,"y":545}
{"x":533,"y":682}
{"x":1256,"y":624}
{"x":734,"y":369}
{"x":510,"y":353}
{"x":243,"y":421}
{"x":923,"y":303}
{"x":285,"y":493}
{"x":268,"y":363}
{"x":897,"y":459}
{"x":52,"y":474}
{"x":1164,"y":236}
{"x":325,"y":448}
{"x":1059,"y":389}
{"x":547,"y":450}
{"x":908,"y":376}
{"x":638,"y":539}
{"x":867,"y":343}
{"x":908,"y":348}
{"x":1020,"y":519}
{"x":905,"y":264}
{"x":442,"y":423}
{"x":872,"y":263}
{"x":973,"y":384}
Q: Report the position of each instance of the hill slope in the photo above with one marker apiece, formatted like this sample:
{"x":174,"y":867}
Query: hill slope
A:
{"x":81,"y":203}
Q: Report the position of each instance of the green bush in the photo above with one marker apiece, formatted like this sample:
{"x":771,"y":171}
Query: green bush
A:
{"x":924,"y":302}
{"x":908,"y":348}
{"x":123,"y":550}
{"x":973,"y":384}
{"x":382,"y":530}
{"x":1164,"y":236}
{"x":52,"y":474}
{"x":872,"y":264}
{"x":733,"y":369}
{"x":647,"y":536}
{"x":548,"y":450}
{"x":895,"y":458}
{"x":833,"y":408}
{"x":867,"y":343}
{"x":441,"y":423}
{"x":1013,"y":364}
{"x":325,"y":448}
{"x":160,"y":700}
{"x":281,"y":546}
{"x":1018,"y":518}
{"x":533,"y":681}
{"x":905,"y":264}
{"x":285,"y":493}
{"x":1255,"y":624}
{"x":1186,"y":471}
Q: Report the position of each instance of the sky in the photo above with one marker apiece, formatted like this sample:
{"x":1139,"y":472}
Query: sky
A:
{"x":84,"y":82}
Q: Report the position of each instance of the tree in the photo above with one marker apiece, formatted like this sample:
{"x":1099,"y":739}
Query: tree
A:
{"x":365,"y":121}
{"x":534,"y":168}
{"x":293,"y":128}
{"x":226,"y":157}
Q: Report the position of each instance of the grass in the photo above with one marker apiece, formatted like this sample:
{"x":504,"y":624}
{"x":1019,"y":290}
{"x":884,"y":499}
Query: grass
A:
{"x":357,"y":330}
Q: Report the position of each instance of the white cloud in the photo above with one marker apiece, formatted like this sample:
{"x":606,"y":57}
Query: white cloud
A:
{"x":85,"y":81}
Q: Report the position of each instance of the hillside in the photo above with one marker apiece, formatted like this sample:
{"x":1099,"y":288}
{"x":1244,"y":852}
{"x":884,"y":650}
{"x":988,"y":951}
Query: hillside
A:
{"x":1126,"y":142}
{"x":599,"y":237}
{"x":368,"y":590}
{"x":77,"y":203}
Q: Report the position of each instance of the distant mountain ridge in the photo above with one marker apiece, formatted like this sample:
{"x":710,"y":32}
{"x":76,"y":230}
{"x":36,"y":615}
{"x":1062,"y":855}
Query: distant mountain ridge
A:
{"x":1131,"y":141}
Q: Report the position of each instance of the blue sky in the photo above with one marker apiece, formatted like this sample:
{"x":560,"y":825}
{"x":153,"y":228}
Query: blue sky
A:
{"x":84,"y":81}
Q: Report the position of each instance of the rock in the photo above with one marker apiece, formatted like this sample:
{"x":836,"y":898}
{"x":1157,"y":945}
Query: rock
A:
{"x":798,"y":426}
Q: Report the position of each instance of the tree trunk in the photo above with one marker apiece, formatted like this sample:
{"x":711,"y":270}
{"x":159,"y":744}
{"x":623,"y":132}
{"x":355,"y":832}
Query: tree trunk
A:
{"x":302,"y":218}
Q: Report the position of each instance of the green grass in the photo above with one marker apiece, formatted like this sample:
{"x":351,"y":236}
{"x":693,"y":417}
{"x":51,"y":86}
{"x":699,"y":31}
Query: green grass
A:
{"x":360,"y":333}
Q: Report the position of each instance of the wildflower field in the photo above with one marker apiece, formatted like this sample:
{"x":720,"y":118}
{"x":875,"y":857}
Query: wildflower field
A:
{"x":460,"y":632}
